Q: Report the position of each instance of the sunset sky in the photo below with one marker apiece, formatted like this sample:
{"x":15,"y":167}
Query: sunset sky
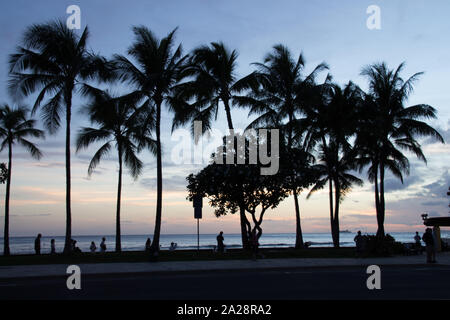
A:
{"x":332,"y":31}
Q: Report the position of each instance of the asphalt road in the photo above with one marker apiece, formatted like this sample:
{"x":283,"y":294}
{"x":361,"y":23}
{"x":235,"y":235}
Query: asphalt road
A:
{"x":397,"y":282}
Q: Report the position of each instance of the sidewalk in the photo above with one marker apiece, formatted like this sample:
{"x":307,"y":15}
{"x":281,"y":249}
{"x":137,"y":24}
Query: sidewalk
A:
{"x":9,"y":272}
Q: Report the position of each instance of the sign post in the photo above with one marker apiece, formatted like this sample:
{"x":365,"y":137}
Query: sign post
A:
{"x":198,"y":205}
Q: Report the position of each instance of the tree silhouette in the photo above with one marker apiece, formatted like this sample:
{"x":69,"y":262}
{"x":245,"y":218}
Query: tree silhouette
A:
{"x":235,"y":187}
{"x":389,"y":128}
{"x":283,"y":95}
{"x":337,"y":121}
{"x":15,"y":128}
{"x":157,"y":69}
{"x":119,"y":123}
{"x":54,"y":61}
{"x":214,"y":81}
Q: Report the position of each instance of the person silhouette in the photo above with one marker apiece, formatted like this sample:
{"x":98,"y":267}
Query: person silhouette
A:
{"x":37,"y":244}
{"x":103,"y":245}
{"x":75,"y":249}
{"x":429,"y":245}
{"x":220,"y":245}
{"x":418,"y":245}
{"x":52,"y":246}
{"x":148,"y":245}
{"x":93,"y":247}
{"x":359,"y":242}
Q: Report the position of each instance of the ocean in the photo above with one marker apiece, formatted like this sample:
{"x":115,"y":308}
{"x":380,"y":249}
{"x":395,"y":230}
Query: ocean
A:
{"x":25,"y":245}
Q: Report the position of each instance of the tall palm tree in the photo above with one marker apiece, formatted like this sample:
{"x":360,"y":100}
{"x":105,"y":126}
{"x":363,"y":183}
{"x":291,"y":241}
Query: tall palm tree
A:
{"x":214,"y":80}
{"x":119,"y":123}
{"x":391,"y":128}
{"x":15,"y":128}
{"x":54,"y":61}
{"x":282,"y":97}
{"x":155,"y":72}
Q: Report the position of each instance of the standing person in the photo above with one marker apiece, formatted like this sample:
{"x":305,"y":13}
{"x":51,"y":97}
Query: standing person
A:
{"x":103,"y":245}
{"x":52,"y":246}
{"x":220,"y":245}
{"x":417,"y":239}
{"x":359,"y":241}
{"x":429,"y":243}
{"x":148,"y":245}
{"x":37,"y":244}
{"x":93,"y":247}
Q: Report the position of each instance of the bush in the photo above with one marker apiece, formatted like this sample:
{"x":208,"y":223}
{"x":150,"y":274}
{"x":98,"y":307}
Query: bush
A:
{"x":387,"y":246}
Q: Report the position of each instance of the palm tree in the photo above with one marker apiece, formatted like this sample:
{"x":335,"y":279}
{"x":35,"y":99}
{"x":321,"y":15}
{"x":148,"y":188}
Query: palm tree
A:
{"x":283,"y":95}
{"x":54,"y":61}
{"x":214,"y":81}
{"x":391,"y":128}
{"x":157,"y":69}
{"x":15,"y":127}
{"x":331,"y":126}
{"x":334,"y":169}
{"x":119,"y":122}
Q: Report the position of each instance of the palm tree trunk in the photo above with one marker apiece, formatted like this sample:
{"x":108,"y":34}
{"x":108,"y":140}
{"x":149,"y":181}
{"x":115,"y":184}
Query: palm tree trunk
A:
{"x":298,"y":230}
{"x":381,"y":215}
{"x":68,"y":240}
{"x":337,"y":193}
{"x":330,"y":193}
{"x":157,"y":232}
{"x":228,"y":112}
{"x":6,"y":250}
{"x":332,"y":218}
{"x":119,"y":193}
{"x":377,"y":196}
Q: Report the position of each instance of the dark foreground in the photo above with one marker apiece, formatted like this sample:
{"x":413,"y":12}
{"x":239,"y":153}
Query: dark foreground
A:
{"x":397,"y":282}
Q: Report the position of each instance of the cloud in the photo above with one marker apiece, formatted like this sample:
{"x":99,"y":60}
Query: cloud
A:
{"x":437,"y":189}
{"x":32,"y":215}
{"x":392,"y":183}
{"x":433,"y":203}
{"x":172,"y":183}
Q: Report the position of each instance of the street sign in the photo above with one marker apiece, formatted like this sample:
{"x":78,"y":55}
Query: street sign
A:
{"x":198,"y":202}
{"x":197,"y":213}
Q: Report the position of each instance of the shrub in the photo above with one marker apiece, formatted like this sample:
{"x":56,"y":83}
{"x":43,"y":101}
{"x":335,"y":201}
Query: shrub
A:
{"x":386,"y":246}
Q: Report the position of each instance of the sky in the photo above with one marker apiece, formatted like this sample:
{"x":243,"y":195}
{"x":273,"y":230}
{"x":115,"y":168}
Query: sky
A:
{"x":334,"y":32}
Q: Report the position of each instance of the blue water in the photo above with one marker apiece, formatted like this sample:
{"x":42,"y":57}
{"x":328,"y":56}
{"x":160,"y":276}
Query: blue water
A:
{"x":25,"y":245}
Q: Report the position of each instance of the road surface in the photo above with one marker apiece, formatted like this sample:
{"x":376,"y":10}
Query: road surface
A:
{"x":397,"y":282}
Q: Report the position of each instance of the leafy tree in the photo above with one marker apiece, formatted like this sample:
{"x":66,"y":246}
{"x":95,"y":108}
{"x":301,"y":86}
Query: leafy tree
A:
{"x":15,"y":128}
{"x":119,"y":123}
{"x":54,"y":61}
{"x":235,"y":187}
